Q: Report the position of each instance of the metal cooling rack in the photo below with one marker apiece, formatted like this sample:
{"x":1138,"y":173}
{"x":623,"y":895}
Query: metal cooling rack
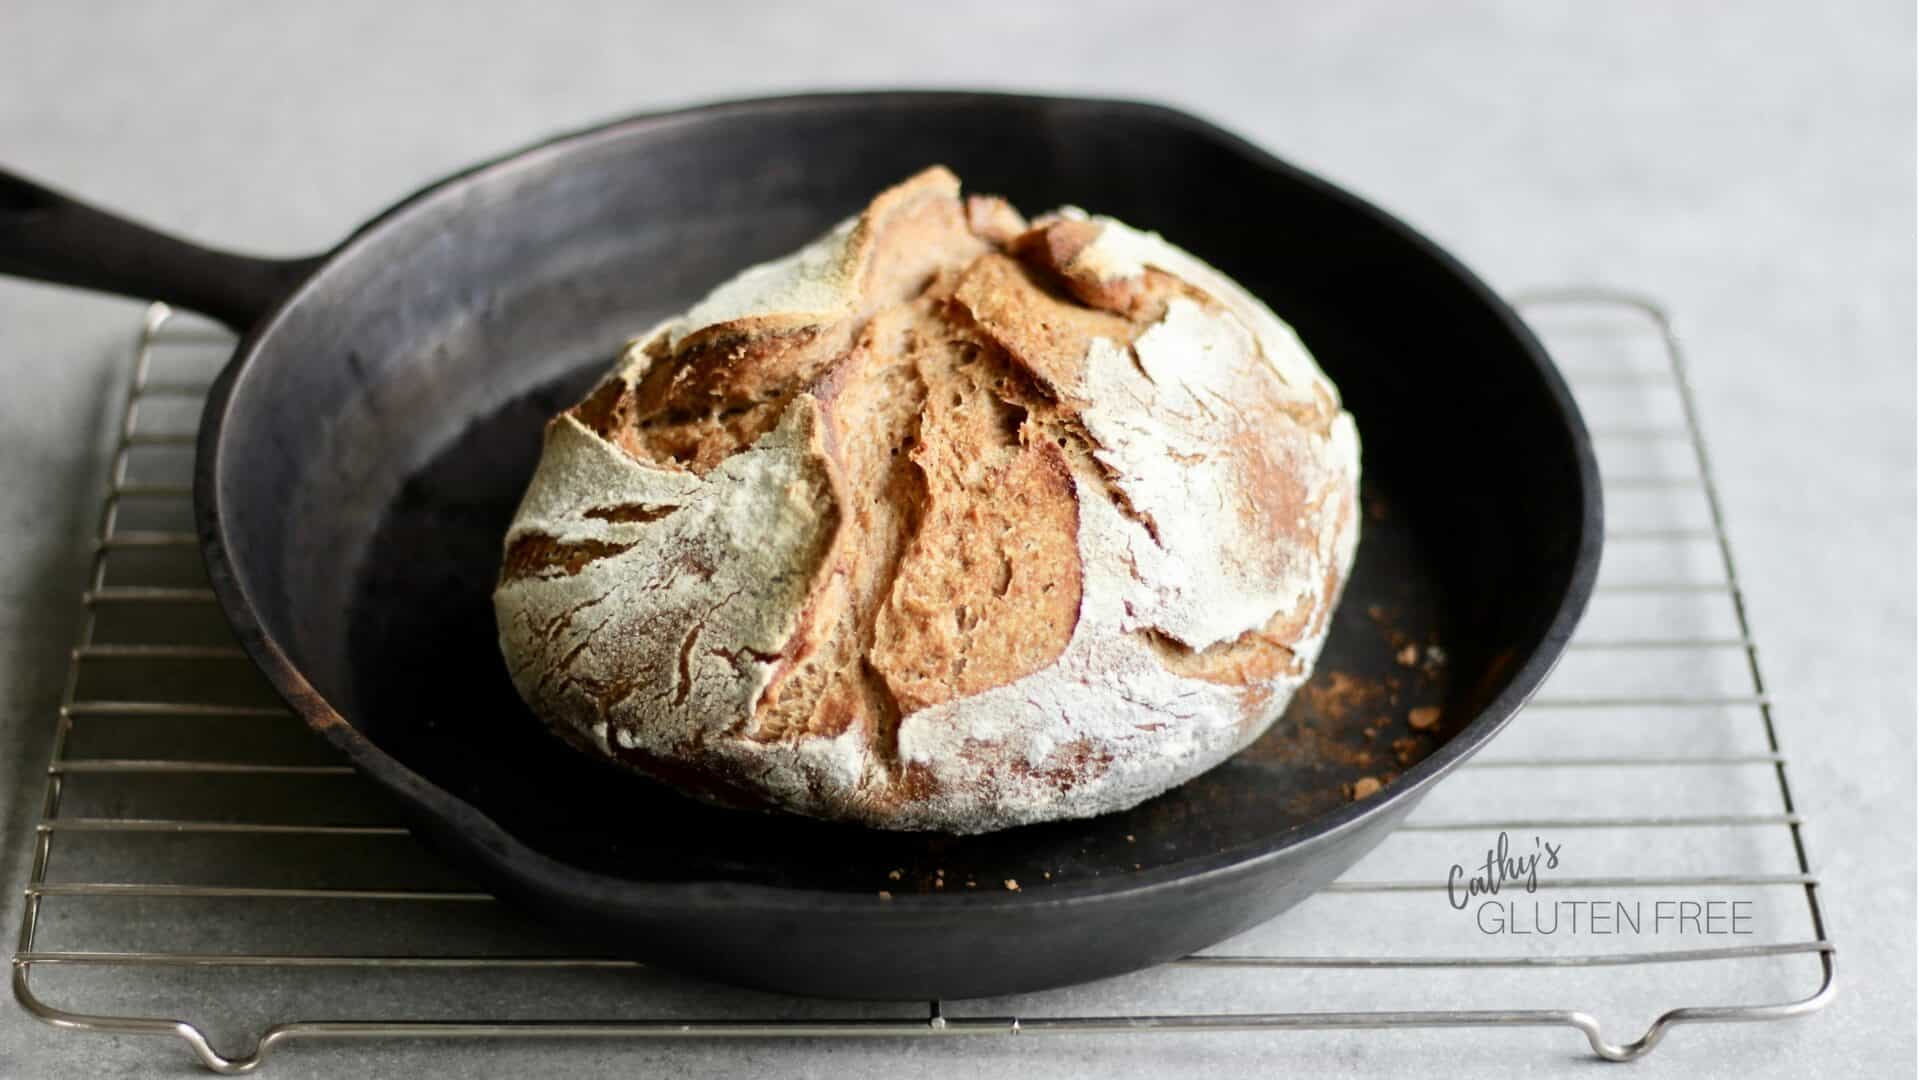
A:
{"x":195,"y":841}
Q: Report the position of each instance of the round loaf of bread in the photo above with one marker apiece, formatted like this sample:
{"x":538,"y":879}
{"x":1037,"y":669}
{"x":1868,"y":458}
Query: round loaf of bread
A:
{"x":946,"y":521}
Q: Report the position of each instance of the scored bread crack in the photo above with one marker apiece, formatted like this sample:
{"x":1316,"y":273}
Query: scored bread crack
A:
{"x":988,"y":590}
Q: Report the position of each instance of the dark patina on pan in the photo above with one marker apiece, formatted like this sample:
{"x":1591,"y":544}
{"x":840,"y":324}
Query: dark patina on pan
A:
{"x":361,"y":454}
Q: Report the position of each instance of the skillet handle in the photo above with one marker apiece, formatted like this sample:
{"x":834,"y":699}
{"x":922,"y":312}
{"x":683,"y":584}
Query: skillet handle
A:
{"x":51,"y":237}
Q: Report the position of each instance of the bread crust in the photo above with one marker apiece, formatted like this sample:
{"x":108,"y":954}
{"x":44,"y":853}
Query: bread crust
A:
{"x":948,"y":521}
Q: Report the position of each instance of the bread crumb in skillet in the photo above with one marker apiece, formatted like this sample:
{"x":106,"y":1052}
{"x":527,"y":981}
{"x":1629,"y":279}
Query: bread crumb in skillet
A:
{"x":1424,"y":718}
{"x":1408,"y":749}
{"x":1365,"y":786}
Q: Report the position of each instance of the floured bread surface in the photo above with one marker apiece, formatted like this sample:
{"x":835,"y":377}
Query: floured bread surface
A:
{"x":949,"y":520}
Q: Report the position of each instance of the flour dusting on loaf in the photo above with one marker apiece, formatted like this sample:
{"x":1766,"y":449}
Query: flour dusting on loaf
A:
{"x":947,"y":521}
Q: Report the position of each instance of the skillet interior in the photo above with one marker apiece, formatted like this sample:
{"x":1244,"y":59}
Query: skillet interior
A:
{"x":370,"y":450}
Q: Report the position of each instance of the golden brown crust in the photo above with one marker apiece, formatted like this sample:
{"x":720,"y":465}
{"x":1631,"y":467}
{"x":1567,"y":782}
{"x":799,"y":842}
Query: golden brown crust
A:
{"x":1056,"y":247}
{"x":534,"y":555}
{"x":1045,"y":333}
{"x":994,"y":220}
{"x":989,"y":591}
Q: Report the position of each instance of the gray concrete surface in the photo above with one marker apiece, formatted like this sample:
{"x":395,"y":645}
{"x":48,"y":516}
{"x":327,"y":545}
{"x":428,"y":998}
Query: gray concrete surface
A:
{"x":1750,"y":166}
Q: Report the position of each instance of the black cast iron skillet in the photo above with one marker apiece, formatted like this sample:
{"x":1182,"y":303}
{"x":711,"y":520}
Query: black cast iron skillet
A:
{"x":361,"y":454}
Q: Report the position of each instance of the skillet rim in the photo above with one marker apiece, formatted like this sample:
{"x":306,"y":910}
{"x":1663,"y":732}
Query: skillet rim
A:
{"x":541,"y":874}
